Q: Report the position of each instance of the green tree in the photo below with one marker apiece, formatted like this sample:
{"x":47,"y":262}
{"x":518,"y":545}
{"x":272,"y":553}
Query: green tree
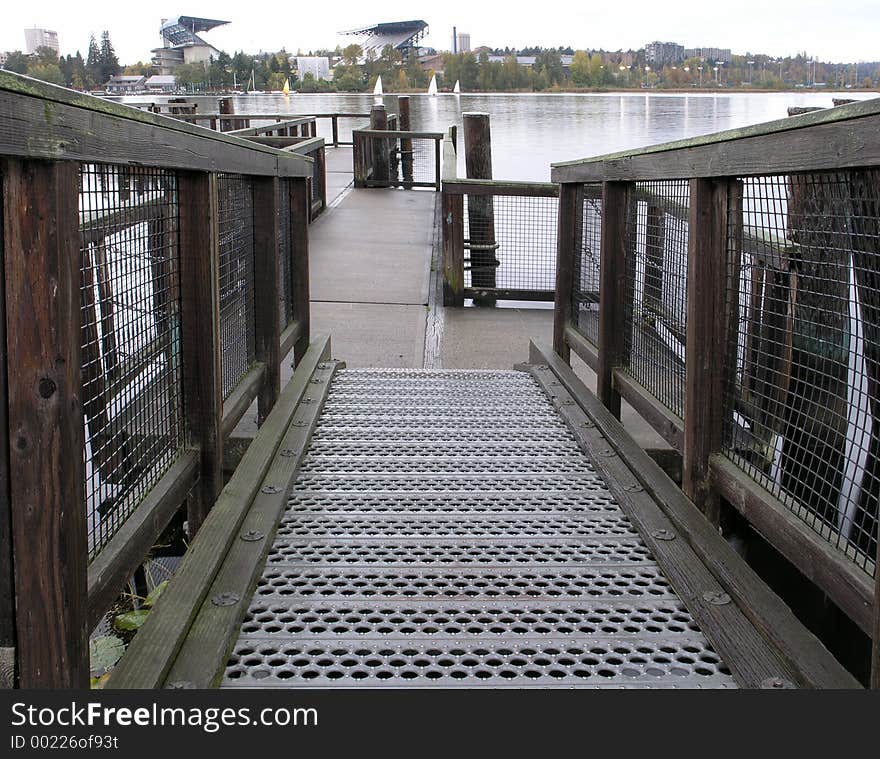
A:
{"x":93,"y":64}
{"x":351,"y":54}
{"x":48,"y":72}
{"x":16,"y":62}
{"x":108,"y":62}
{"x":581,"y":72}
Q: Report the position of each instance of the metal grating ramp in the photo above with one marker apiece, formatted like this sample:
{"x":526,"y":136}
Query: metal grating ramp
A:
{"x":445,"y":530}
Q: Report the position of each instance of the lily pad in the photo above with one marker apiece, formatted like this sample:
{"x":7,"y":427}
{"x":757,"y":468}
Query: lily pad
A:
{"x":104,"y":652}
{"x":150,"y":600}
{"x":131,"y":620}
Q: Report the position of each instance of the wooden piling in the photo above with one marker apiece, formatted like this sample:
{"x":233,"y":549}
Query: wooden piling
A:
{"x":481,"y":208}
{"x":406,"y":146}
{"x":379,"y":120}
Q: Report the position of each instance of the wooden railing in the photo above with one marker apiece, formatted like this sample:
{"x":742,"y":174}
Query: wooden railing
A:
{"x":155,"y":276}
{"x":726,"y":287}
{"x":392,"y":158}
{"x":224,"y":121}
{"x":499,"y":237}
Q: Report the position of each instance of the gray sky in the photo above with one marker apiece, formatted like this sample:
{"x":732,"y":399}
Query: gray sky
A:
{"x":832,"y":32}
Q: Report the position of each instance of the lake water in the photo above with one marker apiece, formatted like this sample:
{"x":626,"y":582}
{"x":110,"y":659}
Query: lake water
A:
{"x":530,"y":131}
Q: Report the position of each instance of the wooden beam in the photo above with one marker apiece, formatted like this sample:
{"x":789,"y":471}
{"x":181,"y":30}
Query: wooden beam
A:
{"x":239,"y":400}
{"x":706,"y":348}
{"x":267,"y":270}
{"x":46,"y":433}
{"x":831,"y":139}
{"x":453,"y":249}
{"x":300,"y":208}
{"x":569,"y":242}
{"x":205,"y":651}
{"x":7,"y":581}
{"x":846,"y":584}
{"x":582,"y":347}
{"x":501,"y":187}
{"x":612,"y":290}
{"x":200,"y":334}
{"x":153,"y":650}
{"x":773,"y":618}
{"x":665,"y":423}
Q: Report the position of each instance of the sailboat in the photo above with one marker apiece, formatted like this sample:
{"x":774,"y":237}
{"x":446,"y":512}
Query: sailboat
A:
{"x":457,"y":89}
{"x":286,"y":88}
{"x":377,"y":90}
{"x":432,"y":88}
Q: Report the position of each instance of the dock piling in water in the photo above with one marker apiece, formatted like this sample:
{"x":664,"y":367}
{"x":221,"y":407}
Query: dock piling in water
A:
{"x":481,"y":209}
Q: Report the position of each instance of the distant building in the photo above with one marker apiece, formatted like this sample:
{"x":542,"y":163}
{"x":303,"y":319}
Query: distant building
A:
{"x":403,"y":36}
{"x":661,"y":53}
{"x":121,"y":85}
{"x":181,"y":44}
{"x":161,"y":83}
{"x":317,"y":66}
{"x":3,"y":58}
{"x":709,"y":53}
{"x":34,"y":39}
{"x":432,"y":63}
{"x":464,"y":42}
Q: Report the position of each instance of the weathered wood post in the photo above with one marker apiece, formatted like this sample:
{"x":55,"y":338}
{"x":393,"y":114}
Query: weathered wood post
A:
{"x":569,"y":229}
{"x":45,"y":422}
{"x":481,"y":208}
{"x":379,"y":151}
{"x":335,"y":127}
{"x":267,"y":267}
{"x":200,"y":334}
{"x":406,"y":147}
{"x":300,"y":207}
{"x":709,"y":317}
{"x":225,"y":106}
{"x":616,"y":209}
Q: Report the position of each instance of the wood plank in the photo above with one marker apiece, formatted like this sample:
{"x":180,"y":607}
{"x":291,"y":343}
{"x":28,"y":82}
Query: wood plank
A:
{"x":453,"y":249}
{"x":267,"y":272}
{"x":45,"y":419}
{"x":775,"y":621}
{"x":807,"y":143}
{"x":205,"y":651}
{"x":300,"y":207}
{"x":706,"y":346}
{"x":200,"y":334}
{"x":850,"y":587}
{"x":289,"y":337}
{"x":7,"y":584}
{"x":750,"y":658}
{"x":569,"y":232}
{"x":587,"y":352}
{"x":131,"y":543}
{"x":612,"y":290}
{"x":153,"y":650}
{"x":100,"y":131}
{"x":500,"y":187}
{"x":236,"y":405}
{"x":509,"y":293}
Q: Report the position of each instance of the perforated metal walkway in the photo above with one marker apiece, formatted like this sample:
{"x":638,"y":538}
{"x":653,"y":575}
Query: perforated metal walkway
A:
{"x":445,"y":529}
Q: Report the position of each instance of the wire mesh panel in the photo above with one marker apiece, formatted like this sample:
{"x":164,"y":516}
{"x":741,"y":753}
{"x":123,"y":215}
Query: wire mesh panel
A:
{"x":802,"y":403}
{"x":285,"y":241}
{"x":236,"y":229}
{"x":585,"y":273}
{"x":396,"y":162}
{"x":511,"y":243}
{"x":130,"y":300}
{"x":656,"y":289}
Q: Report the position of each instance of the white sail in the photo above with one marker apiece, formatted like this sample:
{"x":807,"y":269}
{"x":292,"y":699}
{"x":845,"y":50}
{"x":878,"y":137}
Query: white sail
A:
{"x":377,"y":90}
{"x":457,"y":88}
{"x":432,"y":88}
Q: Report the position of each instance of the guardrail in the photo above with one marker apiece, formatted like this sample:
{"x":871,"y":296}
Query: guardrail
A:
{"x":404,"y":159}
{"x":133,"y":248}
{"x":499,"y":238}
{"x":243,"y":120}
{"x":726,"y":287}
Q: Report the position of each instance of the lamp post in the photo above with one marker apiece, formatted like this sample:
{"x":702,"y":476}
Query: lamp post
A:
{"x":701,"y":76}
{"x":647,"y":72}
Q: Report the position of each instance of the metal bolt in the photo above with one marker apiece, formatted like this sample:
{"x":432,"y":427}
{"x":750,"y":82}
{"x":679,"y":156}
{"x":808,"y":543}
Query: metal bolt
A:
{"x":270,"y":489}
{"x":587,"y":424}
{"x":226,"y":599}
{"x":288,"y":452}
{"x":716,"y":598}
{"x":607,"y":453}
{"x":181,"y":685}
{"x":555,"y":383}
{"x":568,"y":402}
{"x":322,"y":366}
{"x":777,"y":683}
{"x":633,"y":487}
{"x":308,"y":400}
{"x":662,"y":534}
{"x":542,"y":367}
{"x":317,"y":381}
{"x":299,"y":424}
{"x":252,"y":536}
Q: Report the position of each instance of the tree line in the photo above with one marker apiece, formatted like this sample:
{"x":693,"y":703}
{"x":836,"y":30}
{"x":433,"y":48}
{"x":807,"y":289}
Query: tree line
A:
{"x":100,"y":63}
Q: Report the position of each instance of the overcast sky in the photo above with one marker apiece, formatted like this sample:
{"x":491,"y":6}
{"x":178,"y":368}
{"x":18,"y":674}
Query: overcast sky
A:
{"x":831,"y":31}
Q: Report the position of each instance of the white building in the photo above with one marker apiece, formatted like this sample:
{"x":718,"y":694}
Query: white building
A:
{"x":464,"y":42}
{"x":37,"y":38}
{"x":317,"y":66}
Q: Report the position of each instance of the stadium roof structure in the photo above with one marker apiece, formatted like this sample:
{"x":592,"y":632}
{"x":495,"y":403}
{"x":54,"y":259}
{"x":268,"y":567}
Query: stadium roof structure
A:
{"x":401,"y":35}
{"x":181,"y":31}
